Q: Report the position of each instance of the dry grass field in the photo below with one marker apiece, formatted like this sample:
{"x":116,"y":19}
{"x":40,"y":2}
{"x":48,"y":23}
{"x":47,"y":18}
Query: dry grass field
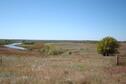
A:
{"x":82,"y":66}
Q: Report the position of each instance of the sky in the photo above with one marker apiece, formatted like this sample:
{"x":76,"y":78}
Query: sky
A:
{"x":62,"y":19}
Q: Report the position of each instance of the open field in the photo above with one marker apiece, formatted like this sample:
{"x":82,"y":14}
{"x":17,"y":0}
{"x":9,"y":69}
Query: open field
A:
{"x":82,"y":66}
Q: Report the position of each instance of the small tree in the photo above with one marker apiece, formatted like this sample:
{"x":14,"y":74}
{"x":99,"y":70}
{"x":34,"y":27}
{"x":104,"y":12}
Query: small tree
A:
{"x":108,"y":46}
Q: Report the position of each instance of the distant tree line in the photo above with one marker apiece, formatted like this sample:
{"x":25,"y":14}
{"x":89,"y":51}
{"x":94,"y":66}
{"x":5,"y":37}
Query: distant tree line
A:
{"x":5,"y":42}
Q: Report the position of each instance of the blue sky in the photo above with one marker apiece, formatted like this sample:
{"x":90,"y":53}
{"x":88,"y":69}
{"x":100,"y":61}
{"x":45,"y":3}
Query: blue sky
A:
{"x":62,"y":19}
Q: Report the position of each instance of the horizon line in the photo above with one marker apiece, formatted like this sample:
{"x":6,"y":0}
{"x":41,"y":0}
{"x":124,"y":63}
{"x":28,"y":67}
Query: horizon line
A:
{"x":55,"y":39}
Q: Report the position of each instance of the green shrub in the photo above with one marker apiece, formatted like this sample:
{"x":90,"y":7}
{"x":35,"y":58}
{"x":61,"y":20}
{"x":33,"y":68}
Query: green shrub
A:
{"x":108,"y":46}
{"x":51,"y":50}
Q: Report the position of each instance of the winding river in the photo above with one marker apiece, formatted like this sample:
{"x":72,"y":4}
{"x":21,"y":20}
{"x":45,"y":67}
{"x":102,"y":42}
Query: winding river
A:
{"x":15,"y":46}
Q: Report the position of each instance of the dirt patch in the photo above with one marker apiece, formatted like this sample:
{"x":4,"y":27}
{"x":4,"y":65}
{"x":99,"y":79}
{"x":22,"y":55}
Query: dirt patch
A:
{"x":9,"y":51}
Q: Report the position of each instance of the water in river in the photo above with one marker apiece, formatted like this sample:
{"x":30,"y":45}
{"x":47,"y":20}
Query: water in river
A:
{"x":15,"y":46}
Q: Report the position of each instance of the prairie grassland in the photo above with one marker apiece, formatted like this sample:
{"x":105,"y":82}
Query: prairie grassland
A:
{"x":83,"y":66}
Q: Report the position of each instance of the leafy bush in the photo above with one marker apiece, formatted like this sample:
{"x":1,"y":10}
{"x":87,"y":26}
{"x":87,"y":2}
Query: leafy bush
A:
{"x":51,"y":50}
{"x":108,"y":46}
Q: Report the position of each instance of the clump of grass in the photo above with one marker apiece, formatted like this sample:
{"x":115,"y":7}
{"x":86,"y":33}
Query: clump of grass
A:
{"x":51,"y":50}
{"x":84,"y":82}
{"x":69,"y":52}
{"x":68,"y":81}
